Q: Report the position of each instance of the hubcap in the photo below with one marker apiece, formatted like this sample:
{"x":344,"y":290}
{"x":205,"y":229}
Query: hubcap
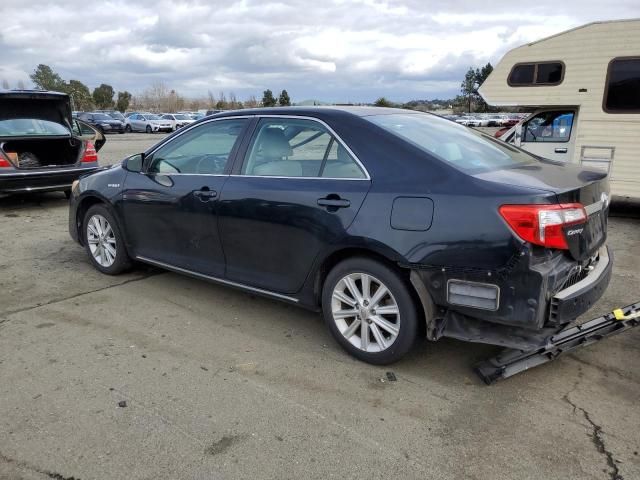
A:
{"x":365,"y":312}
{"x":102,"y":240}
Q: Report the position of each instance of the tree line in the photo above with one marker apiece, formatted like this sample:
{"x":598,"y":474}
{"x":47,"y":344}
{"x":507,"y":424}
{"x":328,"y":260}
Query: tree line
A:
{"x":157,"y":97}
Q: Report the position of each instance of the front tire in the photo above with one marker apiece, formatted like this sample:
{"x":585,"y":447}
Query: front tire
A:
{"x":127,"y":129}
{"x":148,"y":129}
{"x":104,"y":242}
{"x":369,"y":310}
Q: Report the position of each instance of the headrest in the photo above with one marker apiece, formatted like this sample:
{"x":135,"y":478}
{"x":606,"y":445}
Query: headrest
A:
{"x":274,"y":144}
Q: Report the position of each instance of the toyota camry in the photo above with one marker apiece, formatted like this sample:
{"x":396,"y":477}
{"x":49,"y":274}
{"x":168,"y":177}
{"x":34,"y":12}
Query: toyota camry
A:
{"x":393,"y":223}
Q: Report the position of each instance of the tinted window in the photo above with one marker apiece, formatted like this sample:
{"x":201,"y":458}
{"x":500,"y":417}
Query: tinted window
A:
{"x":465,"y":148}
{"x":543,"y":73}
{"x":622,"y":92}
{"x":202,"y":150}
{"x":549,"y":73}
{"x":548,"y":127}
{"x":298,"y":148}
{"x":522,"y":75}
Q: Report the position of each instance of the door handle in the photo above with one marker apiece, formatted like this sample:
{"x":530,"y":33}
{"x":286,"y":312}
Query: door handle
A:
{"x":333,"y":202}
{"x":205,"y":194}
{"x":561,"y":150}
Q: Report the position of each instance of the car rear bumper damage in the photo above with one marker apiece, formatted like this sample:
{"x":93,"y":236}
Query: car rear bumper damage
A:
{"x":41,"y":180}
{"x":518,"y":306}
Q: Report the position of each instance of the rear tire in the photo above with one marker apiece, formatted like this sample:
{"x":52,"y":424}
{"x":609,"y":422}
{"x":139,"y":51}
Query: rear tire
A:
{"x":387,"y":336}
{"x":103,"y":241}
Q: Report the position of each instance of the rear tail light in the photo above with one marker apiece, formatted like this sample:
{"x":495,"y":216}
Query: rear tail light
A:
{"x":4,"y":161}
{"x":90,"y":154}
{"x":543,"y":224}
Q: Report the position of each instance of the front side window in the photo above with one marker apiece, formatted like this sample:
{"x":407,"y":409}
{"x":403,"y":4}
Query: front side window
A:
{"x":462,"y":147}
{"x":549,"y":127}
{"x":298,"y":148}
{"x":536,"y":74}
{"x":622,"y":91}
{"x":202,"y":150}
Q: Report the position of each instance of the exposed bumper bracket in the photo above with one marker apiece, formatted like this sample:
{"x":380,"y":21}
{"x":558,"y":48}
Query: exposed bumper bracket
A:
{"x":510,"y":362}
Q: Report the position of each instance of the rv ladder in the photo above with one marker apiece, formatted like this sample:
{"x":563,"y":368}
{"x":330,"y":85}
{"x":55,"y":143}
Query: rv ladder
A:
{"x":510,"y":362}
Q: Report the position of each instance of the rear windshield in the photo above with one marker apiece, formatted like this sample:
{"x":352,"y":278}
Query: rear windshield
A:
{"x":18,"y":127}
{"x":463,"y":147}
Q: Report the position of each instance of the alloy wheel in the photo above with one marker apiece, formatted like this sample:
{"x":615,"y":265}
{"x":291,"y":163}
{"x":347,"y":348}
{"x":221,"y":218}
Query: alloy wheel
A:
{"x":365,"y":312}
{"x":101,"y":240}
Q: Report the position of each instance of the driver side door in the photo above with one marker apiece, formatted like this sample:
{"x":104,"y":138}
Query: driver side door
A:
{"x":170,"y":209}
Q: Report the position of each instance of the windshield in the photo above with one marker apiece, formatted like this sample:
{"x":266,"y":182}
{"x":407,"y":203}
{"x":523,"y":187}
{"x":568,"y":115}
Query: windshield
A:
{"x":101,"y":116}
{"x":116,"y":115}
{"x":152,"y":117}
{"x":18,"y":127}
{"x":181,"y":117}
{"x":463,"y":147}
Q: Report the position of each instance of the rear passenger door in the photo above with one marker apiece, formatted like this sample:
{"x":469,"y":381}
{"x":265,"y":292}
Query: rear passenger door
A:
{"x":295,"y":191}
{"x":550,"y":134}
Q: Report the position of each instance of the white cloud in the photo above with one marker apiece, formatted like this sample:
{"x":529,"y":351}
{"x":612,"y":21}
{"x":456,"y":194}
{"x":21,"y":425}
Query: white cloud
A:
{"x":333,"y":50}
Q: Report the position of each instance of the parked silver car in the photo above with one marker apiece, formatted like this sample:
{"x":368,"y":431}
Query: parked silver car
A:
{"x":147,"y":122}
{"x":178,"y":120}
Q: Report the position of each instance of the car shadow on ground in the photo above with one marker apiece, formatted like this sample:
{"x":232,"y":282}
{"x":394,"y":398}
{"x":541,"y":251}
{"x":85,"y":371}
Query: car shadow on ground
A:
{"x":31,"y":200}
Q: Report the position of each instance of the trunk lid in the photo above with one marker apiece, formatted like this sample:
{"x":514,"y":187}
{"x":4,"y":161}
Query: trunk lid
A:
{"x":33,"y":104}
{"x":570,"y":184}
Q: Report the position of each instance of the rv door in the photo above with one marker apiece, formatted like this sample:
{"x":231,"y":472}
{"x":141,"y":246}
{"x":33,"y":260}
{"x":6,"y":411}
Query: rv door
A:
{"x":550,"y":134}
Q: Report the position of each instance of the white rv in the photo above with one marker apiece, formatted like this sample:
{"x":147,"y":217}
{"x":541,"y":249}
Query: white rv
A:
{"x":585,"y":84}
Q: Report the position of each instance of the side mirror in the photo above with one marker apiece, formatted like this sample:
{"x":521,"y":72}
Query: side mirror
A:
{"x":518,"y":136}
{"x":134,"y":163}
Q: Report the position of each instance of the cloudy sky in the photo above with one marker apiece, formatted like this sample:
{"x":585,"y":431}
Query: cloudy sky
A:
{"x":333,"y":50}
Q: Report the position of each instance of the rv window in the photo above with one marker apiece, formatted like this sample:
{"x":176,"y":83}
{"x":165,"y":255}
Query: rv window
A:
{"x":522,"y":75}
{"x":549,"y":73}
{"x":549,"y":127}
{"x":622,"y":91}
{"x":536,"y":74}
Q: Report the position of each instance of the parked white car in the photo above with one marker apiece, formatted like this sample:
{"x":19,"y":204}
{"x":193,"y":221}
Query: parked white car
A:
{"x":469,"y":121}
{"x":178,"y":120}
{"x":147,"y":122}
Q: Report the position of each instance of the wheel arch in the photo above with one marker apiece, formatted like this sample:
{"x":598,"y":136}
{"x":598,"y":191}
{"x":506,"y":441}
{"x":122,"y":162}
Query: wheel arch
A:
{"x":424,"y":304}
{"x":88,"y":201}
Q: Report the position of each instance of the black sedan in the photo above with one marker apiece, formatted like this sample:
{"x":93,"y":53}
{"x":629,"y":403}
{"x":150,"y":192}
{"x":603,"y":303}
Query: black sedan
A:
{"x":393,"y":223}
{"x":41,"y":147}
{"x":103,"y":122}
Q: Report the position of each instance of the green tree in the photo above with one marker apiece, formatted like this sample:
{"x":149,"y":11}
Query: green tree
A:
{"x":124,"y":98}
{"x":103,"y":96}
{"x":80,"y":95}
{"x":284,"y":99}
{"x":481,"y":76}
{"x":469,"y":87}
{"x":383,"y":102}
{"x":44,"y":78}
{"x":268,"y":100}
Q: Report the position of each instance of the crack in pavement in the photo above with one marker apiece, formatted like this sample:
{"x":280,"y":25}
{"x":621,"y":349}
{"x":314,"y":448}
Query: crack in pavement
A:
{"x":597,"y":439}
{"x":4,"y":316}
{"x":33,"y":468}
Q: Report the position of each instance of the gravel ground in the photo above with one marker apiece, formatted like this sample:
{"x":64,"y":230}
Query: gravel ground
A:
{"x":155,"y":375}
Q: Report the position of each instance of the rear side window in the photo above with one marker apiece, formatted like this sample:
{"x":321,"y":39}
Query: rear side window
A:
{"x":464,"y":148}
{"x":536,"y":74}
{"x":288,"y":147}
{"x":622,"y":90}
